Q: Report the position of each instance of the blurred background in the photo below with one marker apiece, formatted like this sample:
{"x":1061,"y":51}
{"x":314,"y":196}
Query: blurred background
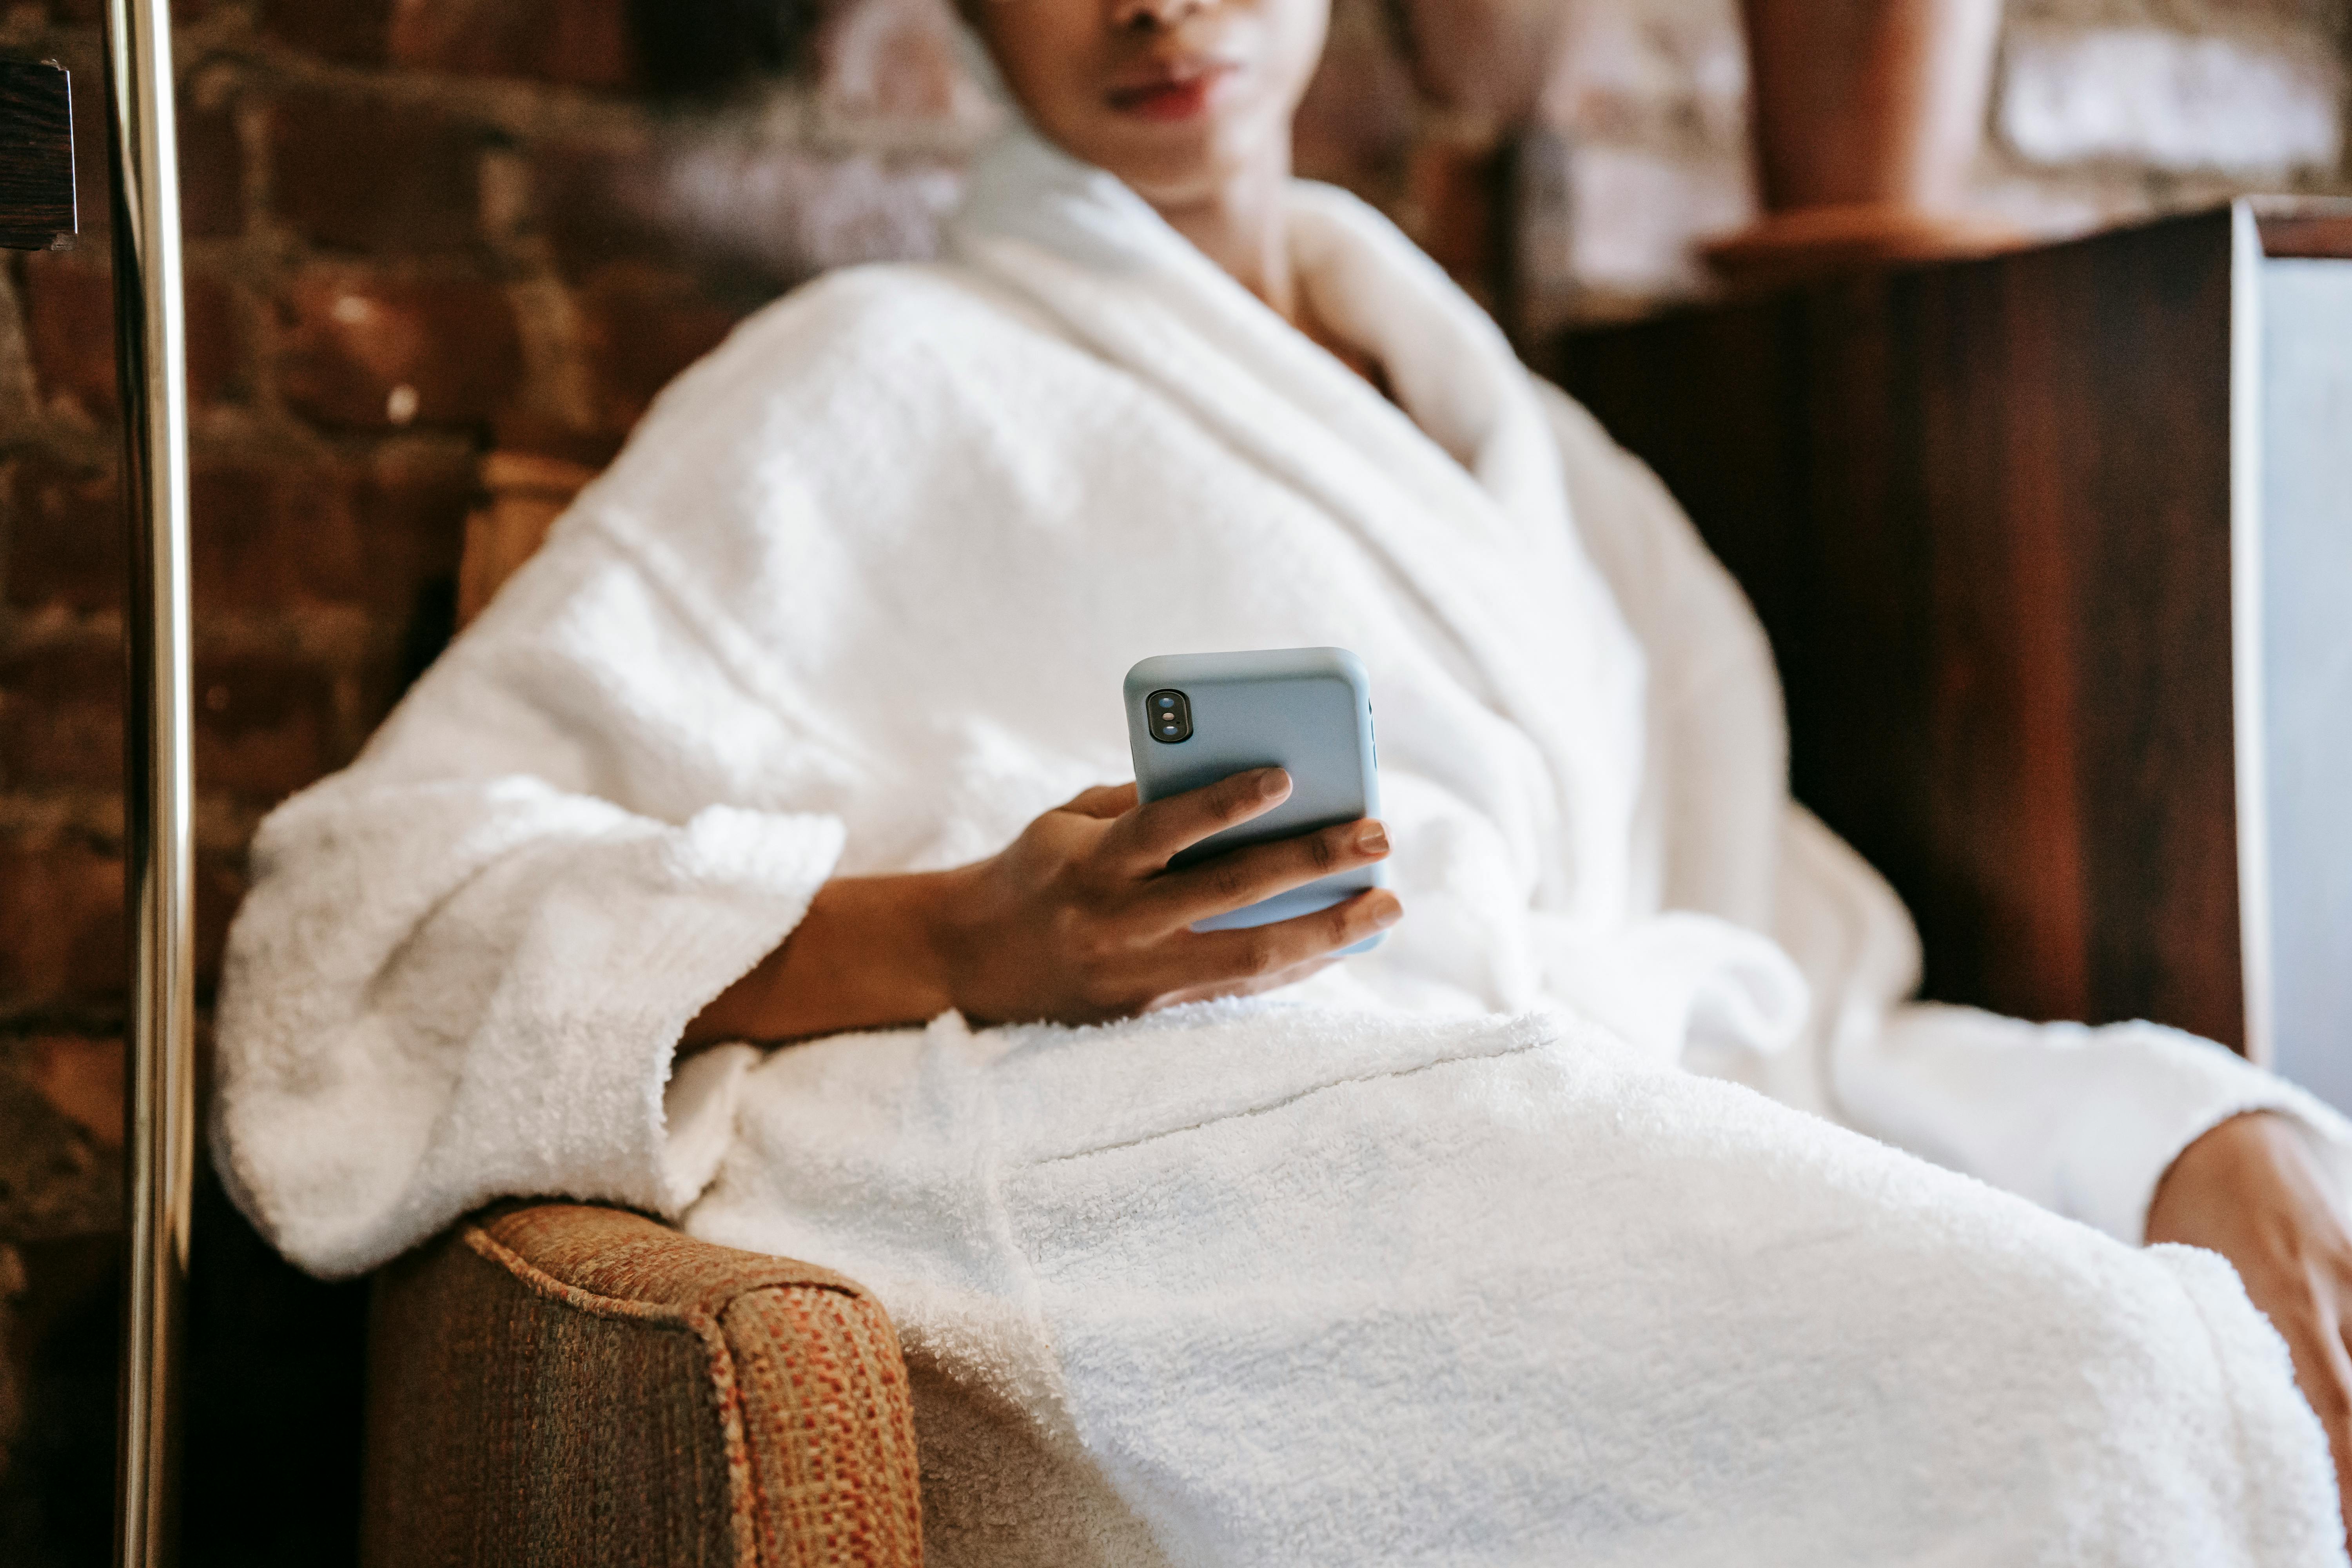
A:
{"x":423,"y":231}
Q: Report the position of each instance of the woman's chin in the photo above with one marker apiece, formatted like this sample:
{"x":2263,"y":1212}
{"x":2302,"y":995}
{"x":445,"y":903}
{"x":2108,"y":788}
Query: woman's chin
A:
{"x":1171,"y":163}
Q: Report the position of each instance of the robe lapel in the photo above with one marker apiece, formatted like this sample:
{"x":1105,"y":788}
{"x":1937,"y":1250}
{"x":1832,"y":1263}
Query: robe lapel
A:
{"x":1480,"y":536}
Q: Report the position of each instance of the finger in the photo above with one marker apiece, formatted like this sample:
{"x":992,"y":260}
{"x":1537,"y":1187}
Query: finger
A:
{"x":1241,"y":878}
{"x":1242,"y":987}
{"x":1102,"y":801}
{"x":2332,"y":1406}
{"x":1146,"y":838}
{"x":2323,"y":1370}
{"x":1212,"y":958}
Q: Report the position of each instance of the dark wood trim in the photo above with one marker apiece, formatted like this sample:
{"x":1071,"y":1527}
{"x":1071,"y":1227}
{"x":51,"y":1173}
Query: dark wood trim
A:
{"x":1983,"y":511}
{"x":37,"y":171}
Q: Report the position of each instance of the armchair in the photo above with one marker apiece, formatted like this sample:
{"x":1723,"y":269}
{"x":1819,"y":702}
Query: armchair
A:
{"x":567,"y":1382}
{"x":557,"y":1382}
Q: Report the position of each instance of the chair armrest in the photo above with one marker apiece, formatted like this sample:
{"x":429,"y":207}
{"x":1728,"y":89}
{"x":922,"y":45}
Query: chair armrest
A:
{"x":553,"y":1381}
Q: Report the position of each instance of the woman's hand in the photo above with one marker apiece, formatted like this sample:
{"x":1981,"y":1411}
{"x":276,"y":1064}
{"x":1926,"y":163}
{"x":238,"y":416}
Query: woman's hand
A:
{"x":2249,"y":1191}
{"x":1079,"y":919}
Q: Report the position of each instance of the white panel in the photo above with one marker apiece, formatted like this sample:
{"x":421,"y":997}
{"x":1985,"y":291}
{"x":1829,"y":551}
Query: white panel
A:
{"x":2306,"y":634}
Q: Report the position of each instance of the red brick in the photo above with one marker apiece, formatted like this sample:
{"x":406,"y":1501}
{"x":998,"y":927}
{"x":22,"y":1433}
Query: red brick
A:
{"x":602,"y":205}
{"x":362,"y":174}
{"x":352,"y":30}
{"x":263,"y":539}
{"x":70,"y":328}
{"x":269,"y":539}
{"x":266,"y":540}
{"x":83,"y":1078}
{"x":65,"y":536}
{"x":583,"y":43}
{"x":363,"y":352}
{"x":259,"y":539}
{"x":265,"y":725}
{"x":216,"y":357}
{"x":637,"y":331}
{"x":69,"y":306}
{"x":61,"y":716}
{"x":61,"y":935}
{"x":412,"y":516}
{"x":211,"y":174}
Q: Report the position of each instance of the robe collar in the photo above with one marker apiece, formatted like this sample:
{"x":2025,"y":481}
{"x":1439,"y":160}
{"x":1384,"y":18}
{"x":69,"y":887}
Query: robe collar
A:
{"x":1465,"y":450}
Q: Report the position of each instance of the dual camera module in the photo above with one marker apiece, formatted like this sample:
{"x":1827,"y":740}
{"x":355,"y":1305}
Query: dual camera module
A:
{"x":1168,"y":716}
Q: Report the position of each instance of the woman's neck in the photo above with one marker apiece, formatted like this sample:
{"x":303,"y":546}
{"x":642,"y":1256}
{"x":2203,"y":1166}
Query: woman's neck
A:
{"x":1242,"y":223}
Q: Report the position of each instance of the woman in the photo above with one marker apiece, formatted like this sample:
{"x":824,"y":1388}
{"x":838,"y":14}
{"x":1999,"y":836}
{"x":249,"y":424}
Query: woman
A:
{"x":1433,"y":1255}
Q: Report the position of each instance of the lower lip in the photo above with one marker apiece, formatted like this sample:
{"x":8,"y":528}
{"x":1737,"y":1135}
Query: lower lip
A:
{"x":1175,"y":101}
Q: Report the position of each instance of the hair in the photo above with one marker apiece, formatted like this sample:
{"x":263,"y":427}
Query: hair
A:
{"x":708,"y":48}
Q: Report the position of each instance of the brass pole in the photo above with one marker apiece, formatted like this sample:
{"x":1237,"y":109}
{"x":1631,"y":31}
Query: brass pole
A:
{"x":158,"y":783}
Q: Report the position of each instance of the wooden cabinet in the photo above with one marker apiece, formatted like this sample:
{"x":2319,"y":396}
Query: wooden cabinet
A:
{"x":2056,"y":552}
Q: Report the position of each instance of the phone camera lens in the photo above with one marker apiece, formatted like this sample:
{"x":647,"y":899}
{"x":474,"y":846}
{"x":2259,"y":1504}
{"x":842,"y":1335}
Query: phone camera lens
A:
{"x":1168,"y":716}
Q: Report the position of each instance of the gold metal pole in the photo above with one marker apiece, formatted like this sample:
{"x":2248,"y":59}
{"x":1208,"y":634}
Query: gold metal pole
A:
{"x":159,"y":847}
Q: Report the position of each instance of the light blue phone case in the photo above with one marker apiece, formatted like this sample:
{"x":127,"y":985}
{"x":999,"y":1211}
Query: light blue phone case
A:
{"x":1307,"y":710}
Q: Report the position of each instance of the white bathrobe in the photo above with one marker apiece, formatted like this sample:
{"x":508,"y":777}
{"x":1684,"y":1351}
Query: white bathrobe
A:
{"x":1443,"y":1257}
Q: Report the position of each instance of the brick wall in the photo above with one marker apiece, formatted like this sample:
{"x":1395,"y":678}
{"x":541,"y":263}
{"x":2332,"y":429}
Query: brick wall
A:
{"x":418,"y":230}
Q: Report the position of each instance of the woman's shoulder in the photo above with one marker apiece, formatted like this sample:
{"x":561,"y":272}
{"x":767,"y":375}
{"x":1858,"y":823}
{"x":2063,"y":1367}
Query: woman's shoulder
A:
{"x":875,"y":295}
{"x":823,"y":398}
{"x":861,"y":320}
{"x":859,"y":343}
{"x":848,"y":353}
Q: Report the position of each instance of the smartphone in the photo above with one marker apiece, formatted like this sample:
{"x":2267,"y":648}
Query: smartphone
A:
{"x":1195,"y":718}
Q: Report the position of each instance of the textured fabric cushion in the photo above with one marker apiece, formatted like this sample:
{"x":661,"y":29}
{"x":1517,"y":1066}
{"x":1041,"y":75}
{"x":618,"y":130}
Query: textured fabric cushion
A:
{"x":562,"y":1382}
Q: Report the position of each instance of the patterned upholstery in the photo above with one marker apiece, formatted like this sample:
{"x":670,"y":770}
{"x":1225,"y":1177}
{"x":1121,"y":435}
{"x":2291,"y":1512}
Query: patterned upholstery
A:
{"x":559,"y":1383}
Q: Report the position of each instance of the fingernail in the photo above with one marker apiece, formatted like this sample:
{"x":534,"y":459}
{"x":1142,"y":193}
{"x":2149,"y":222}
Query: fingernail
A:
{"x":1388,"y":914}
{"x":1372,"y":838}
{"x":1273,"y":782}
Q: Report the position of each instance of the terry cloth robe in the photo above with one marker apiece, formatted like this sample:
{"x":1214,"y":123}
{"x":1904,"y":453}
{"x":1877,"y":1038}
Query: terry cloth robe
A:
{"x":1446,"y":1257}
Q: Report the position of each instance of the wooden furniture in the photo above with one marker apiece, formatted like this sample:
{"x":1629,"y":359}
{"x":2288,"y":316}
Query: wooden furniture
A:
{"x":2056,"y":552}
{"x":37,"y":171}
{"x":558,"y":1383}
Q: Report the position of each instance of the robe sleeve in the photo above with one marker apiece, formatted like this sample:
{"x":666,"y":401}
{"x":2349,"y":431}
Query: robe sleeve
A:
{"x":2083,"y":1120}
{"x":465,"y":962}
